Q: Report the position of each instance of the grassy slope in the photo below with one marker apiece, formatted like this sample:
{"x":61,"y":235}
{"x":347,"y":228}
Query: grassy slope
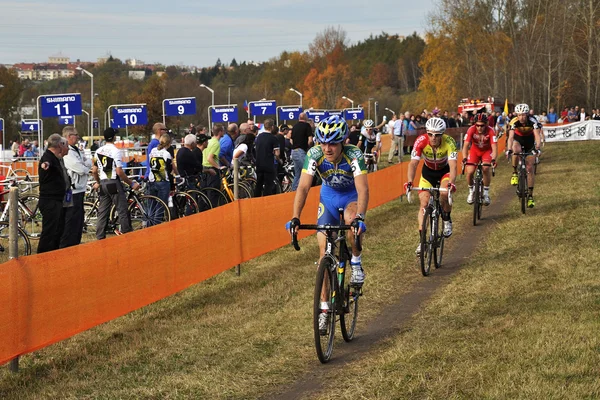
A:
{"x":241,"y":337}
{"x":521,"y":320}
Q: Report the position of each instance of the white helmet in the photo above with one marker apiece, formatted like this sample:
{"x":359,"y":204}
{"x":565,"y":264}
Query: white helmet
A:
{"x":368,"y":123}
{"x":436,"y":125}
{"x":521,"y":108}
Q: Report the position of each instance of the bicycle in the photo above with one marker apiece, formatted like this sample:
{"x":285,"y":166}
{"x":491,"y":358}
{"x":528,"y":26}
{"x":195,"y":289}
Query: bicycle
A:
{"x":184,"y":204}
{"x":30,"y":217}
{"x":23,"y":243}
{"x":331,"y":278}
{"x":522,"y":186}
{"x":478,"y":188}
{"x":371,"y":161}
{"x":432,"y":231}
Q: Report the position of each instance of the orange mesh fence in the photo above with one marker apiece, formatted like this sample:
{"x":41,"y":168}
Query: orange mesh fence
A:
{"x":49,"y":297}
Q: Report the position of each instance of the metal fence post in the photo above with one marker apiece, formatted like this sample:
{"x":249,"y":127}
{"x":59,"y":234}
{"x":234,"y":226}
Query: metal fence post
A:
{"x":236,"y":195}
{"x":13,"y":246}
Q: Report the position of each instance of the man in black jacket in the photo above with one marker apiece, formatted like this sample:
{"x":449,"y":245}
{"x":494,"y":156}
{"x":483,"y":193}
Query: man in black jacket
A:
{"x":267,"y":150}
{"x":54,"y":190}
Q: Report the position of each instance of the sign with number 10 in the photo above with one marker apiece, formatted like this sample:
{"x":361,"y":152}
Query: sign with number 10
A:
{"x":129,"y":116}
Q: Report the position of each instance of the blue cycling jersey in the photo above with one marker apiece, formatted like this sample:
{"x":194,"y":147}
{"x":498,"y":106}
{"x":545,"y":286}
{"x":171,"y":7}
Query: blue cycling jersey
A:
{"x":338,"y":176}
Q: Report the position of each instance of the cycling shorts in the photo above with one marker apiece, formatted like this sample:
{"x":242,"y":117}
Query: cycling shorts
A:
{"x":527,"y":142}
{"x":331,"y":201}
{"x":476,"y":154}
{"x":433,"y":178}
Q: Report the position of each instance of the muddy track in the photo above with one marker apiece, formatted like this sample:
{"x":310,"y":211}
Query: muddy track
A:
{"x":396,"y":317}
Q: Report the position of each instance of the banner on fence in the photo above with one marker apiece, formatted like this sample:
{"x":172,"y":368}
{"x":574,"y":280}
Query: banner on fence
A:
{"x":585,"y":130}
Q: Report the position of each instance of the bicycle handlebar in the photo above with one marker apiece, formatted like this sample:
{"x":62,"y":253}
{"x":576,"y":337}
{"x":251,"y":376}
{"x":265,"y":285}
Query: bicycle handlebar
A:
{"x":482,"y":164}
{"x":326,"y":227}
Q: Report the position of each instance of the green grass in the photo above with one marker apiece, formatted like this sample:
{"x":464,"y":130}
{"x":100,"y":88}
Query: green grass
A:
{"x":503,"y":329}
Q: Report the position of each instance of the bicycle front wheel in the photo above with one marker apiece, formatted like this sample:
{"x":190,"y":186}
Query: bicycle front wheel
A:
{"x":30,"y":216}
{"x":438,"y":242}
{"x":148,"y":211}
{"x":217,"y":198}
{"x":523,"y":189}
{"x":476,"y":199}
{"x":90,"y":220}
{"x":202,"y":200}
{"x":349,"y":314}
{"x":324,"y":318}
{"x":23,"y":243}
{"x":426,"y":243}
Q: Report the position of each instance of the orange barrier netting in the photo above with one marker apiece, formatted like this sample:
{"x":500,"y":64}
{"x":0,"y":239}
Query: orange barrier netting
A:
{"x":52,"y":296}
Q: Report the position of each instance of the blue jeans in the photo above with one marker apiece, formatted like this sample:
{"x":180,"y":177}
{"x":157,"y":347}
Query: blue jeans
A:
{"x":160,"y":190}
{"x":298,"y":157}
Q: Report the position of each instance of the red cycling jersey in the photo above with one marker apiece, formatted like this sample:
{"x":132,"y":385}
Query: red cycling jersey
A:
{"x":482,"y":142}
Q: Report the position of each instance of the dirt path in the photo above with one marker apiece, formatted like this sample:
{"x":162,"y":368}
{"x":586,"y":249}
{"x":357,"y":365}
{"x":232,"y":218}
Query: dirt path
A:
{"x":396,"y":317}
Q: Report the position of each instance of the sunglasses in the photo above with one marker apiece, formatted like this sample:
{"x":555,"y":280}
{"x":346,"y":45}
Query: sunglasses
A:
{"x":434,"y":135}
{"x":480,"y":126}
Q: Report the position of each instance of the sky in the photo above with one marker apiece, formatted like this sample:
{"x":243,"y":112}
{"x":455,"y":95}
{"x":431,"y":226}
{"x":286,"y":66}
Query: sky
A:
{"x":189,"y":32}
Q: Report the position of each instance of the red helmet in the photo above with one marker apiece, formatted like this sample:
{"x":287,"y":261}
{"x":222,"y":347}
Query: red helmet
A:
{"x":480,"y":117}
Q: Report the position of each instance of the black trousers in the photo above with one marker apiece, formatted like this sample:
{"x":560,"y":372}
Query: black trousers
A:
{"x":73,"y":222}
{"x":53,"y":224}
{"x":265,"y":179}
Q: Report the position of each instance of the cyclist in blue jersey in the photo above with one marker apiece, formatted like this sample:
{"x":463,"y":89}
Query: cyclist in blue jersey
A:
{"x":342,"y":168}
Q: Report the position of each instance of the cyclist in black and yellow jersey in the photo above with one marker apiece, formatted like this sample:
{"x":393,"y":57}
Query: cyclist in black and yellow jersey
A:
{"x":524,"y":135}
{"x":160,"y":178}
{"x":440,"y":155}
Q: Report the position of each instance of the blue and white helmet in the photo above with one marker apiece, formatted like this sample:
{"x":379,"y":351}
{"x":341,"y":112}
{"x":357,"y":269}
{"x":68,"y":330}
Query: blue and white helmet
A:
{"x":333,"y":129}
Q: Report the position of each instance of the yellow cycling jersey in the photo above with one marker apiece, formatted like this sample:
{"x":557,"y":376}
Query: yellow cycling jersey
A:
{"x":525,"y":129}
{"x":438,"y":159}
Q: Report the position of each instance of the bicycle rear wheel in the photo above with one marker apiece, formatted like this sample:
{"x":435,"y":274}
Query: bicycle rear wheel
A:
{"x":201,"y":199}
{"x":148,"y":211}
{"x":184,"y":204}
{"x":426,"y":243}
{"x":523,"y":189}
{"x":325,"y":283}
{"x":23,"y":243}
{"x":90,"y":220}
{"x":349,"y":312}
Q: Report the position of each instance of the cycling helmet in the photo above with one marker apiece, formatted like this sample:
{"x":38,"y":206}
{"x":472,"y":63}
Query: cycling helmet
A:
{"x":436,"y":125}
{"x":368,"y":123}
{"x":333,"y":129}
{"x":521,"y":108}
{"x":480,"y":117}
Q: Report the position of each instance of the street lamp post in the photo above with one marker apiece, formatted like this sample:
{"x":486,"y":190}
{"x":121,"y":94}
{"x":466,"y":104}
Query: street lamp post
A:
{"x":88,"y":73}
{"x":349,"y":99}
{"x":369,"y":108}
{"x":90,"y":133}
{"x":229,"y":92}
{"x":390,"y":110}
{"x":298,"y":93}
{"x":211,"y":91}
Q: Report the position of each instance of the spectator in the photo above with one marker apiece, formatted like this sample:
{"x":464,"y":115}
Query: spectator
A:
{"x":23,"y":147}
{"x":157,"y":129}
{"x":35,"y":148}
{"x":94,"y":146}
{"x":244,"y":151}
{"x":282,"y":131}
{"x":552,"y":117}
{"x":397,"y":140}
{"x":189,"y":166}
{"x":302,"y":139}
{"x":78,"y":167}
{"x":226,"y":145}
{"x":15,"y":148}
{"x":543,"y":119}
{"x":451,"y":121}
{"x":160,"y":179}
{"x":210,"y":158}
{"x":54,"y":193}
{"x":572,"y":114}
{"x":391,"y":124}
{"x":582,"y":115}
{"x":267,"y":149}
{"x":596,"y":115}
{"x":354,"y":136}
{"x":108,"y":173}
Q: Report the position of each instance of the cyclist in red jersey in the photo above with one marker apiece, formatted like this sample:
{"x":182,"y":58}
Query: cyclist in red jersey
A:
{"x":480,"y":145}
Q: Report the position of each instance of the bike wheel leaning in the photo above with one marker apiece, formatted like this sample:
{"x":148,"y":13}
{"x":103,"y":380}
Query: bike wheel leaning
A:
{"x":90,"y":220}
{"x":148,"y":211}
{"x":184,"y":205}
{"x":325,"y":284}
{"x":426,"y":243}
{"x":23,"y":243}
{"x":217,"y":198}
{"x":201,"y":199}
{"x":349,"y":313}
{"x":30,"y":216}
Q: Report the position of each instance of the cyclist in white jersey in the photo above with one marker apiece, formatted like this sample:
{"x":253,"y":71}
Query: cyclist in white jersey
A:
{"x":108,"y":173}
